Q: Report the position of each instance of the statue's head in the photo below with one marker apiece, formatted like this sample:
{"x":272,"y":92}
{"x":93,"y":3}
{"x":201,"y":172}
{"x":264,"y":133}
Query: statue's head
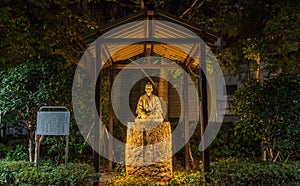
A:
{"x":149,"y":88}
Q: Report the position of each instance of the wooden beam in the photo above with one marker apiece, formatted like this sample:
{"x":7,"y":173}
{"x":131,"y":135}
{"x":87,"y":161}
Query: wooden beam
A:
{"x":186,"y":121}
{"x":189,"y":58}
{"x":110,"y":60}
{"x":144,"y":66}
{"x":149,"y":40}
{"x":146,"y":74}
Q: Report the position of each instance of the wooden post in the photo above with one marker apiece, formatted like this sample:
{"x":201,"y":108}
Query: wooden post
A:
{"x":98,"y":64}
{"x":203,"y":107}
{"x":204,"y":120}
{"x":111,"y":123}
{"x":163,"y":91}
{"x":186,"y":122}
{"x":38,"y":141}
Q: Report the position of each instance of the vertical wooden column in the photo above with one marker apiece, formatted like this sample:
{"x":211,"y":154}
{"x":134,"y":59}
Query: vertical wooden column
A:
{"x":163,"y":91}
{"x":163,"y":94}
{"x":203,"y":106}
{"x":98,"y":65}
{"x":111,"y":122}
{"x":186,"y":121}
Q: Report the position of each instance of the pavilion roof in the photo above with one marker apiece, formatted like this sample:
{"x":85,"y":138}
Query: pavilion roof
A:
{"x":124,"y":42}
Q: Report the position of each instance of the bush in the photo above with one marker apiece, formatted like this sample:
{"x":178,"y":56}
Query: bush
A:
{"x":185,"y":178}
{"x":25,"y":173}
{"x":237,"y":172}
{"x":269,"y":113}
{"x":228,"y":144}
{"x":19,"y":152}
{"x":3,"y":150}
{"x":229,"y":172}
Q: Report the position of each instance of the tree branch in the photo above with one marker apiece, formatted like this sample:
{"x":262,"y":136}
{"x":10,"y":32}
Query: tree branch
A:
{"x":189,"y":9}
{"x":193,"y":13}
{"x":191,"y":157}
{"x":276,"y":157}
{"x":288,"y":157}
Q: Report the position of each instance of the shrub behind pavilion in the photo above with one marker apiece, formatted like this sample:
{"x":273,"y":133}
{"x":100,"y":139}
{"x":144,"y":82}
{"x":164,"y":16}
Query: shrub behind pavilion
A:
{"x":33,"y":84}
{"x":269,"y":112}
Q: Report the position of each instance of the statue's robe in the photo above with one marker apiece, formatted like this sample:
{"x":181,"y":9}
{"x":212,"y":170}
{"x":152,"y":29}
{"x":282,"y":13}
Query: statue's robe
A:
{"x":149,"y":105}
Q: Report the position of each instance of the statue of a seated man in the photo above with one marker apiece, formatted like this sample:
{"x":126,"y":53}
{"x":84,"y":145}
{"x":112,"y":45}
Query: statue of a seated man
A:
{"x":149,"y":106}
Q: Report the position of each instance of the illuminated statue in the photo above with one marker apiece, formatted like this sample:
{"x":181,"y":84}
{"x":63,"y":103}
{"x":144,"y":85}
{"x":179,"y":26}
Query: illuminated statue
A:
{"x":148,"y":150}
{"x":149,"y":106}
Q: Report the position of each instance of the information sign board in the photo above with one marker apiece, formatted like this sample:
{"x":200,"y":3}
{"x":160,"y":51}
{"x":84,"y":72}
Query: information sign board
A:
{"x":52,"y":122}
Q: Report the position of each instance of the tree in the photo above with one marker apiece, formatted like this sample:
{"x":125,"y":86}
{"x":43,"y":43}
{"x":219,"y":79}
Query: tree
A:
{"x":33,"y":29}
{"x":33,"y":84}
{"x":270,"y":113}
{"x":270,"y":36}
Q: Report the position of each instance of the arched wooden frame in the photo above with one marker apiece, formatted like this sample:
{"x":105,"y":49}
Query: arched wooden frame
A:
{"x":203,"y":104}
{"x":148,"y":43}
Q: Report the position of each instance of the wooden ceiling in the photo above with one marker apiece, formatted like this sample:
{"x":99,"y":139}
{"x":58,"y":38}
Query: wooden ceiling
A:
{"x":166,"y":35}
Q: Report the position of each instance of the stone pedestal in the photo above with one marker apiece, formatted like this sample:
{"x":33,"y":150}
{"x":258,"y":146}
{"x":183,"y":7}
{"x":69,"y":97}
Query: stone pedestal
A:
{"x":148,"y":150}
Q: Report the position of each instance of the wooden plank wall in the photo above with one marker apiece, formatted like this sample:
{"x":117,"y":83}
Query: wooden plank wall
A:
{"x":174,"y":108}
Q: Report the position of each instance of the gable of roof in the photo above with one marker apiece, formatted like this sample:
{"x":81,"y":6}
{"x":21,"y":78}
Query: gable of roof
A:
{"x":127,"y":37}
{"x":209,"y":37}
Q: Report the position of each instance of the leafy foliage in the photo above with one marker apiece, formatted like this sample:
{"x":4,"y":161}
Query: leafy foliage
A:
{"x":273,"y":33}
{"x":229,"y":171}
{"x":8,"y":169}
{"x":25,"y":173}
{"x":282,"y":37}
{"x":14,"y":49}
{"x":244,"y":172}
{"x":36,"y":30}
{"x":3,"y":150}
{"x":19,"y":152}
{"x":231,"y":144}
{"x":270,"y":113}
{"x":35,"y":83}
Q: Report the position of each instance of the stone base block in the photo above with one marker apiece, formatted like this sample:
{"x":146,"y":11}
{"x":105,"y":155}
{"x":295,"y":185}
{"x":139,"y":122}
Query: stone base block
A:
{"x":148,"y":153}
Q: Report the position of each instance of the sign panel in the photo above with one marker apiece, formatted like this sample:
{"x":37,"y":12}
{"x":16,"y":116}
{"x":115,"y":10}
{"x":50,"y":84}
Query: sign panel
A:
{"x":53,"y":122}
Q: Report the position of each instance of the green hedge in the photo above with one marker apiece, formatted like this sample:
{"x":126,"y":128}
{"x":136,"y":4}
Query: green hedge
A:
{"x":224,"y":172}
{"x":230,"y":172}
{"x":25,"y":173}
{"x":242,"y":172}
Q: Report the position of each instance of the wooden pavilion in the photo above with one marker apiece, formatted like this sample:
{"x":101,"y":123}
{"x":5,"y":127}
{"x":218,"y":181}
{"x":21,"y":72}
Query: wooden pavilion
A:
{"x":162,"y":34}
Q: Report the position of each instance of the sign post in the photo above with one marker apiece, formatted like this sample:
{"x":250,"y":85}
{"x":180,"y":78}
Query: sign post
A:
{"x":53,"y":121}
